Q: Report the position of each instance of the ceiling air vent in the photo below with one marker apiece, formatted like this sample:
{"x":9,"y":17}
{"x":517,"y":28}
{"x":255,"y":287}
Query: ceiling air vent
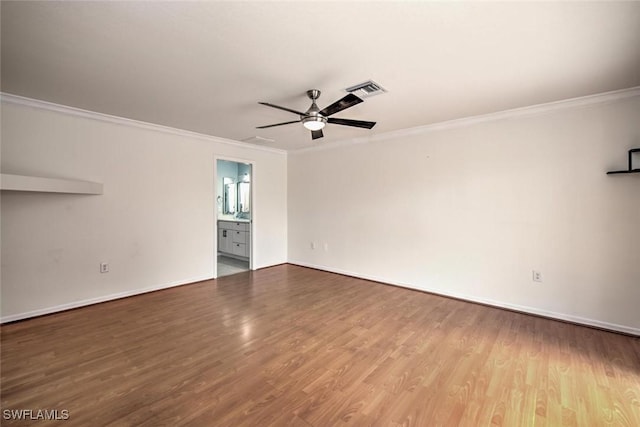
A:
{"x":366,"y":89}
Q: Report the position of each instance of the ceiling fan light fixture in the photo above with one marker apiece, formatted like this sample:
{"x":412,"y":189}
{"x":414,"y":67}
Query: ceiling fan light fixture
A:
{"x":314,"y":123}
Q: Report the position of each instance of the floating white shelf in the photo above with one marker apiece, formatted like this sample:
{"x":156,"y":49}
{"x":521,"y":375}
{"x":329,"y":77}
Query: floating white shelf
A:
{"x":10,"y":182}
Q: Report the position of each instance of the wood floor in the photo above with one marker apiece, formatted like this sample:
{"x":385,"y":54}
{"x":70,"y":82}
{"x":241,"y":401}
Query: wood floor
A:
{"x":294,"y":346}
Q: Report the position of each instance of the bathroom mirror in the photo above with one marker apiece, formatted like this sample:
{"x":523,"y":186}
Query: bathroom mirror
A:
{"x":244,"y":197}
{"x":229,"y":199}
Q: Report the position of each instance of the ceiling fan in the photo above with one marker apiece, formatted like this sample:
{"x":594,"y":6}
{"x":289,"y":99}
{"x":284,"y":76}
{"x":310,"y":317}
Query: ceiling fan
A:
{"x":315,"y":119}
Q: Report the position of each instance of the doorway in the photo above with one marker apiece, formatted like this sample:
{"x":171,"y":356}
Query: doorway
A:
{"x":234,"y":216}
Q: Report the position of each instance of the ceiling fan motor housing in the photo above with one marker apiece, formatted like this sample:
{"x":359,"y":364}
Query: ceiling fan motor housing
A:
{"x":312,"y":119}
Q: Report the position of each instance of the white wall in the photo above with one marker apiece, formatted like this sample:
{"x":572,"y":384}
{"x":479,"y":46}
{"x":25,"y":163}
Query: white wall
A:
{"x":466,"y":211}
{"x":471,"y":210}
{"x":154,"y":224}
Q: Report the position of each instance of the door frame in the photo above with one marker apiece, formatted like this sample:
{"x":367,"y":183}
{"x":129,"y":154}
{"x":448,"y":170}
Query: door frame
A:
{"x":252,"y":193}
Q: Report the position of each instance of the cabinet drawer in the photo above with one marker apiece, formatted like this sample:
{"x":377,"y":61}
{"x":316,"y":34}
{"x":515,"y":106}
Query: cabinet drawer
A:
{"x":239,"y":236}
{"x":239,"y":226}
{"x":240,"y":249}
{"x":233,"y":225}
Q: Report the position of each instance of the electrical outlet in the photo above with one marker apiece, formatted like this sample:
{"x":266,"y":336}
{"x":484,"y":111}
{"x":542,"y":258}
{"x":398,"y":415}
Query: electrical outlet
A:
{"x":104,"y":267}
{"x":312,"y":245}
{"x":536,"y":276}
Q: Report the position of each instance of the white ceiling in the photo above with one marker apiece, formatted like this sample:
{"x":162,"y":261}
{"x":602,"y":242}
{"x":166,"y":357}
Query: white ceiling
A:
{"x":203,"y":66}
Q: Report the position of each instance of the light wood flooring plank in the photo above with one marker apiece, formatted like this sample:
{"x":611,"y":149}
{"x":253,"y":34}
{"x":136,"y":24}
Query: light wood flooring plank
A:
{"x":294,"y":346}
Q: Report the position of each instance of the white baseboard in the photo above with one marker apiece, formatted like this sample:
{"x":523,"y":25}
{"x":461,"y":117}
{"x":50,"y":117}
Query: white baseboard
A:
{"x":472,"y":298}
{"x":97,"y":300}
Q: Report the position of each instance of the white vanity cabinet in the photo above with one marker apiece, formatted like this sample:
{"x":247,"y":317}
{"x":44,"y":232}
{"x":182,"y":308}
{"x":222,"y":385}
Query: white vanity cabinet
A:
{"x":234,"y":238}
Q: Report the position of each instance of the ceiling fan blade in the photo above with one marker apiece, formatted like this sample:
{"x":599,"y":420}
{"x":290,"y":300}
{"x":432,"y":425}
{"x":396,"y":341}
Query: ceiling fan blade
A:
{"x":342,"y":104}
{"x":355,"y":123}
{"x":277,"y":124}
{"x":282,"y":108}
{"x":315,"y":134}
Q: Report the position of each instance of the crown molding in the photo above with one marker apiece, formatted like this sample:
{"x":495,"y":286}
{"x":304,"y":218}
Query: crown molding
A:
{"x":400,"y":133}
{"x":532,"y":110}
{"x":78,"y":112}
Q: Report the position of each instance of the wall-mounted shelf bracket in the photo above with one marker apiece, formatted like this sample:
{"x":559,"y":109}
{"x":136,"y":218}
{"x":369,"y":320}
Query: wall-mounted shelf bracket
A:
{"x":631,"y":169}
